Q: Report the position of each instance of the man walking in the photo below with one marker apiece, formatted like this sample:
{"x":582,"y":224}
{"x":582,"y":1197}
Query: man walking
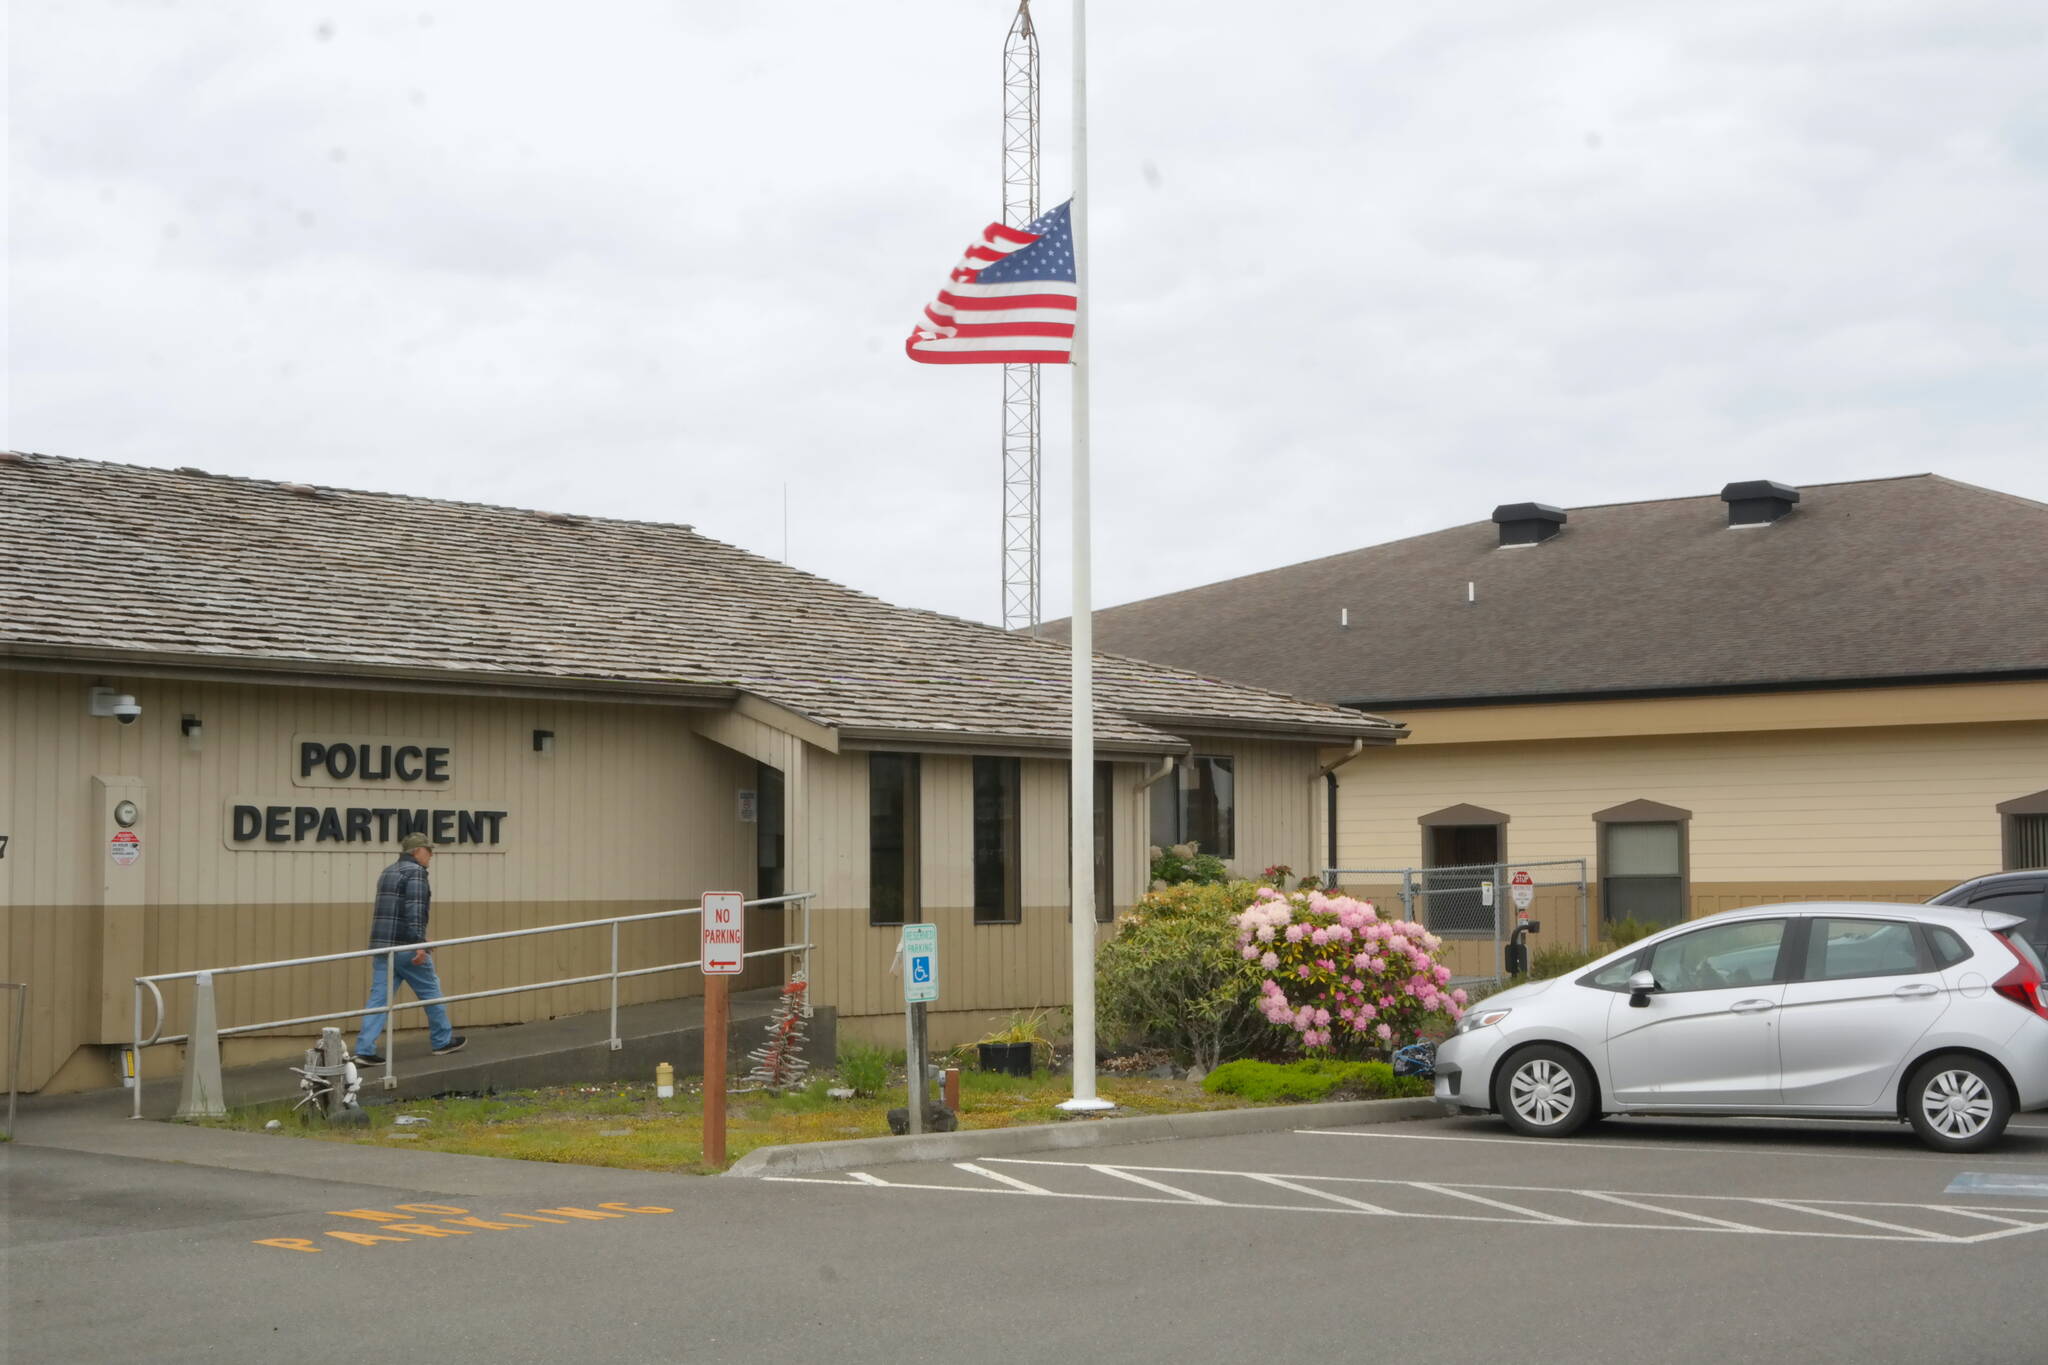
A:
{"x":404,"y":900}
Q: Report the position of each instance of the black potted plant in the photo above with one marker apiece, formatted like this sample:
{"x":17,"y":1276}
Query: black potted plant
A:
{"x":1011,"y":1050}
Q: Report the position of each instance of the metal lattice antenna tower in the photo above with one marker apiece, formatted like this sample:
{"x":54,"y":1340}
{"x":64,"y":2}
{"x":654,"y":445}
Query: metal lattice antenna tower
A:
{"x":1020,"y":382}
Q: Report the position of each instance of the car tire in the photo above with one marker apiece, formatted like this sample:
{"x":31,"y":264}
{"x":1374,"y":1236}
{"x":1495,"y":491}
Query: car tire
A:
{"x":1957,"y":1103}
{"x":1545,"y":1091}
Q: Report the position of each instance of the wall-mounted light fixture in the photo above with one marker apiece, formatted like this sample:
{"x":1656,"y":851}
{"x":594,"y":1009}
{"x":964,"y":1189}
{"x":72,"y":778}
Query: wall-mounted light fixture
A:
{"x":543,"y":741}
{"x":191,"y":729}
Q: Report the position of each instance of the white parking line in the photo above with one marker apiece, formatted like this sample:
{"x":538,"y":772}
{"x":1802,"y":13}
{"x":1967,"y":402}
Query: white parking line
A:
{"x":1896,"y":1226}
{"x":1122,"y":1174}
{"x":1734,"y":1146}
{"x":1020,"y":1186}
{"x":1456,"y":1193}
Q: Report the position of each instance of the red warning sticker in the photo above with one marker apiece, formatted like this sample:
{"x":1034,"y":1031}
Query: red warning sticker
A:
{"x":125,"y":847}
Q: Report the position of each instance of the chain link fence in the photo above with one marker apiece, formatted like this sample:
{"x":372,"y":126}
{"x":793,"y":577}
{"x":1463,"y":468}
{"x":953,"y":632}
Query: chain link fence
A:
{"x":1473,"y":903}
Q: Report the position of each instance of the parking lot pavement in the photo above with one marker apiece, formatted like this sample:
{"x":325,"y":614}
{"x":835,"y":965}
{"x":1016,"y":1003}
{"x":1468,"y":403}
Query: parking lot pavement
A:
{"x":1646,"y":1241}
{"x":1823,"y":1182}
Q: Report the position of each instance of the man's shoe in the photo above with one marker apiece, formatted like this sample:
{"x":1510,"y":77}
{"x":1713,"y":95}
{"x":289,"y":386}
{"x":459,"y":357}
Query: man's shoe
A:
{"x":454,"y":1045}
{"x":368,"y":1059}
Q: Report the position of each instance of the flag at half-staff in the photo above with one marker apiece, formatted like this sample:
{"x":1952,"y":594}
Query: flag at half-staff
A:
{"x":1010,"y":301}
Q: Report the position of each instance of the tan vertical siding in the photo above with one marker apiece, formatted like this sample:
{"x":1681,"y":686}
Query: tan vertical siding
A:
{"x":633,"y":811}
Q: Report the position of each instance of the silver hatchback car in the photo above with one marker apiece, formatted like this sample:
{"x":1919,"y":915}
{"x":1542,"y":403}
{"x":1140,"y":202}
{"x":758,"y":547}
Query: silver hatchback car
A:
{"x":1933,"y":1015}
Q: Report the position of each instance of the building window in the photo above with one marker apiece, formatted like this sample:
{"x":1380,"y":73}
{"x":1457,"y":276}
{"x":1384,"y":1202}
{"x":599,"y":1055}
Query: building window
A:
{"x":998,"y":894}
{"x":1643,"y":863}
{"x":1105,"y":846}
{"x":892,"y":839}
{"x":2025,"y":824}
{"x":1463,"y":848}
{"x":1199,"y":805}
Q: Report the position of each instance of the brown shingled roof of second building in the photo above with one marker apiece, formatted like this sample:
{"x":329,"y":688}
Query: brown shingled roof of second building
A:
{"x":1920,"y":577}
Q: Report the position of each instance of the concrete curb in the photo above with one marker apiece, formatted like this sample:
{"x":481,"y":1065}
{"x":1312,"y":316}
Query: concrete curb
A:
{"x":810,"y":1157}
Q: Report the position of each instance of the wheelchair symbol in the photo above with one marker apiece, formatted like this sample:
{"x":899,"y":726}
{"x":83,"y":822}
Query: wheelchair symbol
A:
{"x":920,"y":969}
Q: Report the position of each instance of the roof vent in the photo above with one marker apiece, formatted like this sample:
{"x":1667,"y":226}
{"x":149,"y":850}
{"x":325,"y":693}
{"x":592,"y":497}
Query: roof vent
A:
{"x":12,"y":457}
{"x":560,"y":518}
{"x":189,"y":469}
{"x":1527,"y":523}
{"x":304,"y":490}
{"x":1758,"y":502}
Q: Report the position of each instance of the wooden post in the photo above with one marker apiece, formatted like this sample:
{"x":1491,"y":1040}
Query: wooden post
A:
{"x":717,"y":1015}
{"x":915,"y":1068}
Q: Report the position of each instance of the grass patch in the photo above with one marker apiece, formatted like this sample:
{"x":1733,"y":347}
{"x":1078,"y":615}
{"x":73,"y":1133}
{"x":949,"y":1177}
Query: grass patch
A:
{"x":1316,"y":1078}
{"x":627,"y":1126}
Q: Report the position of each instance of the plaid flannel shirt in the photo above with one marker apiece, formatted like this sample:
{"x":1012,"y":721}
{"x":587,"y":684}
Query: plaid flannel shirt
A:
{"x":403,"y":901}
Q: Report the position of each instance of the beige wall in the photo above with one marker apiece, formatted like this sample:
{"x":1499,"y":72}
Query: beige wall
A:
{"x":1881,"y":812}
{"x":985,"y":968}
{"x":633,"y":811}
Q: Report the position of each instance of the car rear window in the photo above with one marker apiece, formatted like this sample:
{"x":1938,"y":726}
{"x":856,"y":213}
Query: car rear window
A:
{"x":2024,"y":949}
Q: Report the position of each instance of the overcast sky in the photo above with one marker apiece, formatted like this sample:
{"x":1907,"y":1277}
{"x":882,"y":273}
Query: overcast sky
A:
{"x":1359,"y":271}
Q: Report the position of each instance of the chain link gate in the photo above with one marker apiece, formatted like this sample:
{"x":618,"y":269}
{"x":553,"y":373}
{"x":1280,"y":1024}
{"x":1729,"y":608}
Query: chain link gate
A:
{"x":1471,"y":902}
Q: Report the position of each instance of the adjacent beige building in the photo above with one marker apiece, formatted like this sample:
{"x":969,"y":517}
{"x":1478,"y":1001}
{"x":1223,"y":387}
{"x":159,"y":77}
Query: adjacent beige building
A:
{"x":1773,"y":694}
{"x":589,"y":717}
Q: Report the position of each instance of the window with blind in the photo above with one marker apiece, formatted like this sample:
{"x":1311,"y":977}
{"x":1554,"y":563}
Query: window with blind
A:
{"x":1105,"y":845}
{"x":998,"y":893}
{"x":1643,"y":872}
{"x":893,"y":896}
{"x":2026,"y":841}
{"x":1198,"y":805}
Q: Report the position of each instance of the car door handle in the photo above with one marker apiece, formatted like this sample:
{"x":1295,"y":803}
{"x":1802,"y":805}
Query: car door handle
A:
{"x":1919,"y":991}
{"x":1752,"y":1006}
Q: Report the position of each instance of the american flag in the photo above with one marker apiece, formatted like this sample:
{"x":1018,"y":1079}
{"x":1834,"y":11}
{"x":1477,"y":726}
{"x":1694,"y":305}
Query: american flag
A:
{"x":1010,"y":301}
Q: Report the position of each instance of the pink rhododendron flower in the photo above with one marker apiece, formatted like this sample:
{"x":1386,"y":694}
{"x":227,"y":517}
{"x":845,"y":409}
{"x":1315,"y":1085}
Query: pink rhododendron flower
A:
{"x":1319,"y":937}
{"x":1269,"y":961}
{"x":1384,"y":1032}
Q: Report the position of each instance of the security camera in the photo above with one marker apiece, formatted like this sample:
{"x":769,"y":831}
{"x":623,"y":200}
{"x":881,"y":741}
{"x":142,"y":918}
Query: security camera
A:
{"x":105,"y":701}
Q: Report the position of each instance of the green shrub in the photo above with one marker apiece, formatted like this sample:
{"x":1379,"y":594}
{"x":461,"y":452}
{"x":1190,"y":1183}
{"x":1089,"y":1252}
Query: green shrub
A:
{"x":862,"y":1068}
{"x":1622,"y":932}
{"x":1183,"y":864}
{"x":1316,"y":1078}
{"x":1173,"y":977}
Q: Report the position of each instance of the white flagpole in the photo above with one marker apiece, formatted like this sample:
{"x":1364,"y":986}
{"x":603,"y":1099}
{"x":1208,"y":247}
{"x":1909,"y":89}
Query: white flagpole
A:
{"x":1083,"y":627}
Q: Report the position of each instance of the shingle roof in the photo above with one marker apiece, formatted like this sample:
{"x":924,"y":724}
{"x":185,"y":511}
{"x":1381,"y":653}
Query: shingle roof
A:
{"x":188,"y":566}
{"x":1886,"y":579}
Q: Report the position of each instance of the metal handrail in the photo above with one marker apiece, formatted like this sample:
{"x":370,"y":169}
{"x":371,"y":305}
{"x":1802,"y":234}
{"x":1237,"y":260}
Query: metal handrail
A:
{"x":20,"y":990}
{"x":392,"y":1004}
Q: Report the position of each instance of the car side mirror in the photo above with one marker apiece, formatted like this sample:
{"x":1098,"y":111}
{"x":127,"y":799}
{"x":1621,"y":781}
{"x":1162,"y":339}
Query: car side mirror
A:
{"x":1640,"y":987}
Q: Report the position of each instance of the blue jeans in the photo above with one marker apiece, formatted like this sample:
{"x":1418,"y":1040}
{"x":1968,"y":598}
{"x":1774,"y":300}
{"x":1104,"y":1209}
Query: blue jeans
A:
{"x":424,"y":984}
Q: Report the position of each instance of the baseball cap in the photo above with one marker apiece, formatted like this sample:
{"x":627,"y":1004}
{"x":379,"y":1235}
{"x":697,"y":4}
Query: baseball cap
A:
{"x":413,"y":841}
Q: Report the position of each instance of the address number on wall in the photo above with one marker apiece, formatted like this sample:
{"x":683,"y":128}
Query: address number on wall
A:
{"x":3,"y":846}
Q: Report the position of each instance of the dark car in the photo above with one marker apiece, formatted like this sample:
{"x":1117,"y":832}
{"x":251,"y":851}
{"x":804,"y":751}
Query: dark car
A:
{"x":2023,"y":893}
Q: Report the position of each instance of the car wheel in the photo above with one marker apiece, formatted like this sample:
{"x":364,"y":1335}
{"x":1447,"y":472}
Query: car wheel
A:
{"x":1545,"y":1091}
{"x":1957,"y":1103}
